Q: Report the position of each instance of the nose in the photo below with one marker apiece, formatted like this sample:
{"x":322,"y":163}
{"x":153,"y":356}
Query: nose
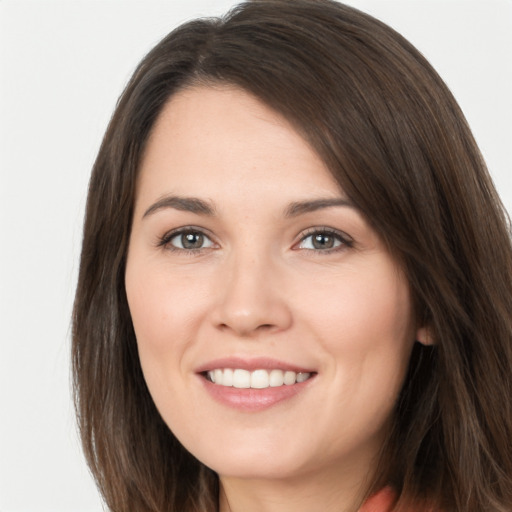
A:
{"x":252,"y":298}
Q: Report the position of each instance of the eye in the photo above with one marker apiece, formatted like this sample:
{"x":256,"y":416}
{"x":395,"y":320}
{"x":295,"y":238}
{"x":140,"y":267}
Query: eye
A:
{"x":186,"y":239}
{"x":324,"y":240}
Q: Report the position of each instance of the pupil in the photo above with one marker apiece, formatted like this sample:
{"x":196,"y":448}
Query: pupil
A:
{"x":192,"y":240}
{"x":323,"y":241}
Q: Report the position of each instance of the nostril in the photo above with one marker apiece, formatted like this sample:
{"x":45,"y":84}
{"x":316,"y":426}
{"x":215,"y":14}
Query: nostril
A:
{"x":244,"y":330}
{"x":251,"y":315}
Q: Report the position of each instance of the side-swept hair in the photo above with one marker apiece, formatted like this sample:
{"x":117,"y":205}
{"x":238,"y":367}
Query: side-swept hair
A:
{"x":397,"y":143}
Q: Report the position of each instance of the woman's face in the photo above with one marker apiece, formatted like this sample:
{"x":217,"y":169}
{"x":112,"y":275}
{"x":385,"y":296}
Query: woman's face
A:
{"x":248,"y":266}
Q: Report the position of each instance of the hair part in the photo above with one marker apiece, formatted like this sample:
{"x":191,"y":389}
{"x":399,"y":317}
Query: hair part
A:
{"x":394,"y":138}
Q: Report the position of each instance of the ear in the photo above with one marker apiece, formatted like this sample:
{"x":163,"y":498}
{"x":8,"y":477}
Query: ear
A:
{"x":424,"y":336}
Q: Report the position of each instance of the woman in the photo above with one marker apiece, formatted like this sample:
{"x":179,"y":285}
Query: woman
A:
{"x":296,"y":283}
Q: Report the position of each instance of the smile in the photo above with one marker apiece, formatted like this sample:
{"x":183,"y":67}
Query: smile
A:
{"x":257,"y":379}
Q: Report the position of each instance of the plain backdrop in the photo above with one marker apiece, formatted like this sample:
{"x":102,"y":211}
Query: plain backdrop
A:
{"x":62,"y":67}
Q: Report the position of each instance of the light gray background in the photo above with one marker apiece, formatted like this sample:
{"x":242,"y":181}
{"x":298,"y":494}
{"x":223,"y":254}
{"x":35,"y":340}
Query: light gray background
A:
{"x":62,"y":67}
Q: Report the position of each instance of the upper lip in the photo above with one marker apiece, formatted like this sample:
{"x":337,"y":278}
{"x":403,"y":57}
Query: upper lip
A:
{"x":251,"y":364}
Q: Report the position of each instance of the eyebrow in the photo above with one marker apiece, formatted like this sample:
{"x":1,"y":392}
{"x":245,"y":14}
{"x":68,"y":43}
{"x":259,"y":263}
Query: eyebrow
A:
{"x":302,"y":207}
{"x":201,"y":207}
{"x":185,"y":204}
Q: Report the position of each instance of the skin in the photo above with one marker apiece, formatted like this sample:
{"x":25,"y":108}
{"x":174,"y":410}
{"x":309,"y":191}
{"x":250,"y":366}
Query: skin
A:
{"x":257,"y":287}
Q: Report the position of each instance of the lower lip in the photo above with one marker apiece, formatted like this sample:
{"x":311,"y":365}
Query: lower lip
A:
{"x":253,"y":399}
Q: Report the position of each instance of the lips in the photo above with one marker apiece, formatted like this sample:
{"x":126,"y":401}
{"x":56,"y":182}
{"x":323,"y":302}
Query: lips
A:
{"x":253,"y":384}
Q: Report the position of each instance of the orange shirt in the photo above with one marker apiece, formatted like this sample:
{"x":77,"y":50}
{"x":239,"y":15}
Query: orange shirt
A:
{"x":384,"y":500}
{"x":379,"y":502}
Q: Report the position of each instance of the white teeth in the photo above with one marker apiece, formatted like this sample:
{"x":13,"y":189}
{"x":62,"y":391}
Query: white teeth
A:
{"x":289,"y":378}
{"x":258,"y":379}
{"x":241,"y":379}
{"x":302,"y":376}
{"x":276,"y":378}
{"x":227,"y":377}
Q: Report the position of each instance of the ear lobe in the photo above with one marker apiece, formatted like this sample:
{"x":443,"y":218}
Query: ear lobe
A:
{"x":424,"y":336}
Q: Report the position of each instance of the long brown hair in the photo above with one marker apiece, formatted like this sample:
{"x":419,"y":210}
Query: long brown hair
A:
{"x":397,"y":143}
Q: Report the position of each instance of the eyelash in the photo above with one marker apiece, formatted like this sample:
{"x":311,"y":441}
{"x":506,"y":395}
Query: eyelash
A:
{"x":344,"y":240}
{"x":165,"y":241}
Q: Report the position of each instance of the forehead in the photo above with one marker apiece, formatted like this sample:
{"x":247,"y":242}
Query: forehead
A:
{"x":221,"y":137}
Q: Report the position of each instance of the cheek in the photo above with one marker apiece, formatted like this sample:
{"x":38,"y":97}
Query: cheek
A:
{"x":367,"y":309}
{"x":165,"y":307}
{"x":164,"y":313}
{"x":368,"y":334}
{"x":364,"y":322}
{"x":147,"y":304}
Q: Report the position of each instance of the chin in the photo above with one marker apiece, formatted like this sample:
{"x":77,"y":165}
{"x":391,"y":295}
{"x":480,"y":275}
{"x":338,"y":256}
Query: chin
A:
{"x":252,"y":460}
{"x":264,"y":467}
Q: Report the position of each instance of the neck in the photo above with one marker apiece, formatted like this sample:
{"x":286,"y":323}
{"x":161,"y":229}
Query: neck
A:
{"x":326,"y":491}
